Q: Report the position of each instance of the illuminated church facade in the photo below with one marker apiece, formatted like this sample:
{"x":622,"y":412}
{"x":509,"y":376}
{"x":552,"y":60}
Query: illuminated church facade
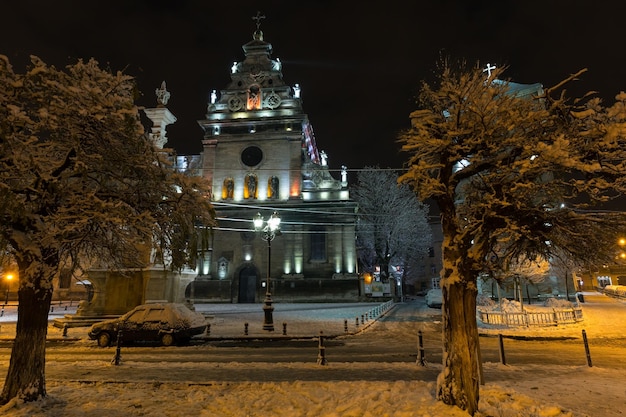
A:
{"x":260,"y":157}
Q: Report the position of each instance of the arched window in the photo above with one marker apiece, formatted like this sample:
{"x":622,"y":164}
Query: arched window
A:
{"x":272,"y":187}
{"x":228,"y":189}
{"x":250,"y":189}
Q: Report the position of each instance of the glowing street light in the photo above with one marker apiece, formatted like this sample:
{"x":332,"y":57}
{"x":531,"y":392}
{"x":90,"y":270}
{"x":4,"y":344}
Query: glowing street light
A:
{"x":8,"y":277}
{"x":269,"y":230}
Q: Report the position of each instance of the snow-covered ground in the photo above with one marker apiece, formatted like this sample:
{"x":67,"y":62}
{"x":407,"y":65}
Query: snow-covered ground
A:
{"x":544,"y":391}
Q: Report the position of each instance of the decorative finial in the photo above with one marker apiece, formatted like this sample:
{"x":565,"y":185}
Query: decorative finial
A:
{"x":162,"y":94}
{"x":258,"y":19}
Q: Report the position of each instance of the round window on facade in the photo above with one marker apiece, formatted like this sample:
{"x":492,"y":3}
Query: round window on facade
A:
{"x":252,"y":156}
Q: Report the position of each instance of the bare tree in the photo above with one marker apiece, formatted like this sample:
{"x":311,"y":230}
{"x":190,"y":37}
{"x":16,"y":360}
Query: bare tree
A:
{"x":79,"y":182}
{"x":499,"y":166}
{"x":392,"y":223}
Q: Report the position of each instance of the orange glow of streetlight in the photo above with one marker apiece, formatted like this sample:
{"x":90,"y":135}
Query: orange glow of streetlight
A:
{"x":621,"y":241}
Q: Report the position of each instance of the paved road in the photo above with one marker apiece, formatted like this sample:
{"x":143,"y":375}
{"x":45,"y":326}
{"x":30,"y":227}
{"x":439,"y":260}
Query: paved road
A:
{"x":387,"y":349}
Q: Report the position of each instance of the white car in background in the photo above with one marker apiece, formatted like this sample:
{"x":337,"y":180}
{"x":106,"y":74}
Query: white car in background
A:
{"x":434,"y":298}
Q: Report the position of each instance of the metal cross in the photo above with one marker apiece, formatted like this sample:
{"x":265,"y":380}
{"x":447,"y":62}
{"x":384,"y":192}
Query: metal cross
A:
{"x":488,"y":69}
{"x":258,"y":19}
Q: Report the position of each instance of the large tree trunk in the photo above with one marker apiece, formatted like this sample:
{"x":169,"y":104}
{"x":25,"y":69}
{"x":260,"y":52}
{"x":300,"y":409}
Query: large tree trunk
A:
{"x":458,"y":383}
{"x":26,"y":375}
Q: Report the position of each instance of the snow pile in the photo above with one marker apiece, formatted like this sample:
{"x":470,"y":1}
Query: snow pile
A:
{"x":486,"y":304}
{"x":559,"y":303}
{"x":276,"y":399}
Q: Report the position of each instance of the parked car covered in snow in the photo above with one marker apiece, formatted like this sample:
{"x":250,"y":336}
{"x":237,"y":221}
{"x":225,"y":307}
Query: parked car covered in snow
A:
{"x":434,"y":298}
{"x":167,"y":323}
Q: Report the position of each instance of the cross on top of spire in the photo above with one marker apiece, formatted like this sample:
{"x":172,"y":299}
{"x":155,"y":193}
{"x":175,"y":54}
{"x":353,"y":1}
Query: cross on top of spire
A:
{"x":258,"y":19}
{"x":488,"y":69}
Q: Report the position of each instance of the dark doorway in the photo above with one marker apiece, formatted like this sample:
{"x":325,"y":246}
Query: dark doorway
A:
{"x":247,"y":285}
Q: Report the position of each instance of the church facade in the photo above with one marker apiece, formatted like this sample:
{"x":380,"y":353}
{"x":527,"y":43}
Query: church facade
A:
{"x":260,"y":157}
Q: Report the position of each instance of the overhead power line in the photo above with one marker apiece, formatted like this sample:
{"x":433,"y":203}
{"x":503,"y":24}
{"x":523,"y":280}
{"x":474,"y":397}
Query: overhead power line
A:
{"x":281,"y":209}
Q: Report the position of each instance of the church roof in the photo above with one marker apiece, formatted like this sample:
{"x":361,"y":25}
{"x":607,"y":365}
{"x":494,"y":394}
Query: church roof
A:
{"x":522,"y":90}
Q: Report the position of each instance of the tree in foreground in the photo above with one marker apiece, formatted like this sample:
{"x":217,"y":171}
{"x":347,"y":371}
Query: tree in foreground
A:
{"x":79,"y":182}
{"x":393,"y":224}
{"x":514,"y":177}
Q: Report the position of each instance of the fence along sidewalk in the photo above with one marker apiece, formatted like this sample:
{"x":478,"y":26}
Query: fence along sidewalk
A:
{"x":532,"y":318}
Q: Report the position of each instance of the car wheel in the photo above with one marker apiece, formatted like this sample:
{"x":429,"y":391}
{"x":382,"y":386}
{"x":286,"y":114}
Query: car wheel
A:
{"x":167,"y":339}
{"x":104,"y":339}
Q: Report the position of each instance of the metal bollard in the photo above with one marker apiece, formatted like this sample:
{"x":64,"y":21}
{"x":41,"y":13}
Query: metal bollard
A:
{"x":245,"y":329}
{"x":357,"y":322}
{"x":345,"y":326}
{"x":587,"y":348}
{"x":502,"y":357}
{"x":362,"y":318}
{"x":64,"y":329}
{"x":284,"y":329}
{"x":117,"y":359}
{"x":321,"y":356}
{"x":420,"y":349}
{"x":208,"y":329}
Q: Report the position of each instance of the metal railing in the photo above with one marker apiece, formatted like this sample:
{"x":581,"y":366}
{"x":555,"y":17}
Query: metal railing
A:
{"x":531,"y":318}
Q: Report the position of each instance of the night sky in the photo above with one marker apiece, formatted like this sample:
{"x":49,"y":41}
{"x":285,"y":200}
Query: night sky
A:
{"x":359,"y":64}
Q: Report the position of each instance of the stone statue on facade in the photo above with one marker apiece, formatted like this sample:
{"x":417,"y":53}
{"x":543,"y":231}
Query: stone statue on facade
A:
{"x":163,"y":96}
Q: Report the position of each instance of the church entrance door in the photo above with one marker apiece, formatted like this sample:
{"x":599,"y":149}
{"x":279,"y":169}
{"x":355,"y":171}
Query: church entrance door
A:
{"x":247,"y":285}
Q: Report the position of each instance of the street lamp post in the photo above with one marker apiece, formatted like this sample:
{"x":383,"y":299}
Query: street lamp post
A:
{"x":8,"y":277}
{"x":269,"y":230}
